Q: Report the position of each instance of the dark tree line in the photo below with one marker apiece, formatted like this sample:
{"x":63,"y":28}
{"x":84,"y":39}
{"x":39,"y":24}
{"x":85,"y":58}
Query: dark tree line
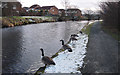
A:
{"x":110,"y":13}
{"x":89,"y":14}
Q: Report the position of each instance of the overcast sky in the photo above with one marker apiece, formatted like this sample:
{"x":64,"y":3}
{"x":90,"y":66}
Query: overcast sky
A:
{"x":81,"y":4}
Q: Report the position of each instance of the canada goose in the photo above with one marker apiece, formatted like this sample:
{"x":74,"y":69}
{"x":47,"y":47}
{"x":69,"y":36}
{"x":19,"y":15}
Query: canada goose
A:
{"x":73,"y":38}
{"x":47,"y":60}
{"x":81,"y":32}
{"x":74,"y":35}
{"x":65,"y":46}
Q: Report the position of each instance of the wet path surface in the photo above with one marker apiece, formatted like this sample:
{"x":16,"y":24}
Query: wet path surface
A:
{"x":102,"y":52}
{"x":21,"y":45}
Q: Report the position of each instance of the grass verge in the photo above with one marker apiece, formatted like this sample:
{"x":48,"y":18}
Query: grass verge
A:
{"x":111,"y":31}
{"x":12,"y":21}
{"x":87,"y":28}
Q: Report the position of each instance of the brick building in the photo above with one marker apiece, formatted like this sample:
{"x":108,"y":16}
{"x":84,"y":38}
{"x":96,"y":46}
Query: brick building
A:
{"x":61,"y":12}
{"x":11,"y":8}
{"x":36,"y":10}
{"x":50,"y":10}
{"x":33,"y":10}
{"x":73,"y":13}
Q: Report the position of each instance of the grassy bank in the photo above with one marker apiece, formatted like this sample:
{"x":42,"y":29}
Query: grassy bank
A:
{"x":111,"y":31}
{"x":87,"y":28}
{"x":17,"y":21}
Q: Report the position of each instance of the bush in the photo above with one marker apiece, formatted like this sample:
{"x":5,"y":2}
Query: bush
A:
{"x":110,"y":13}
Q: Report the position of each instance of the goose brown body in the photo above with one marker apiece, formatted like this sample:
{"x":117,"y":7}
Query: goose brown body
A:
{"x":47,"y":60}
{"x":74,"y":35}
{"x":73,"y":39}
{"x":66,"y":47}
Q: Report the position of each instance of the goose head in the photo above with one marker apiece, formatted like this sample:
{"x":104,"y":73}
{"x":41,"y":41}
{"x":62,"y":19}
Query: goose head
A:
{"x":81,"y":32}
{"x":62,"y":42}
{"x":41,"y":49}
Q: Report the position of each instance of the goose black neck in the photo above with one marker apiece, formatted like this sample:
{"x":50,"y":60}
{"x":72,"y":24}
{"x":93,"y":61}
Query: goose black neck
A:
{"x":42,"y":52}
{"x":62,"y":42}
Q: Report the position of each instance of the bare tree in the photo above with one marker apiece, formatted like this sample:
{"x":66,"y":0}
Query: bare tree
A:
{"x":89,"y":14}
{"x":110,"y":13}
{"x":65,"y":3}
{"x":73,"y":6}
{"x":67,"y":6}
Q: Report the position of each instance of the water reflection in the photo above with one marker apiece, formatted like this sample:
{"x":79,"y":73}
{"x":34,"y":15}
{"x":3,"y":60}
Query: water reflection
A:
{"x":11,"y":51}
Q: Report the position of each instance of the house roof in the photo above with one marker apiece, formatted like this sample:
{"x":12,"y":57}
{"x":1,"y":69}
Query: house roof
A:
{"x":37,"y":7}
{"x":74,"y":9}
{"x":26,"y":8}
{"x":34,"y":6}
{"x":61,"y":10}
{"x":47,"y":7}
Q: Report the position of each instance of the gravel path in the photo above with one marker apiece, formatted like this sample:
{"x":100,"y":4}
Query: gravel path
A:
{"x":102,"y":52}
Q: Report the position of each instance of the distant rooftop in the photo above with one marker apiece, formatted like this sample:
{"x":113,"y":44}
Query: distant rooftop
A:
{"x":26,"y":8}
{"x":35,"y":6}
{"x":73,"y":9}
{"x":61,"y":9}
{"x":46,"y":7}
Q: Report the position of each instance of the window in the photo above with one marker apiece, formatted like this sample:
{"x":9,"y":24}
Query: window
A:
{"x":4,"y":5}
{"x":60,"y":12}
{"x":17,"y":11}
{"x":53,"y":10}
{"x":14,"y":6}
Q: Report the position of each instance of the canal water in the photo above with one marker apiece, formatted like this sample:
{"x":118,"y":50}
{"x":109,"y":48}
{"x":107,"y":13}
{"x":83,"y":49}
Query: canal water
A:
{"x":21,"y":44}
